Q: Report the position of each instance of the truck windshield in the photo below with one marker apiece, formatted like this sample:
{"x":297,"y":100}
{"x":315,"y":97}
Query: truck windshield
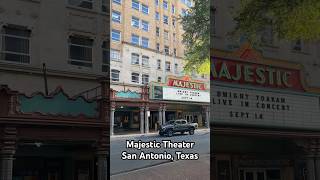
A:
{"x":170,"y":122}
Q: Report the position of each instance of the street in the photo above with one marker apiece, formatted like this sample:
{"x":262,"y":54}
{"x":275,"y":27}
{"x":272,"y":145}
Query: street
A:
{"x":129,"y":169}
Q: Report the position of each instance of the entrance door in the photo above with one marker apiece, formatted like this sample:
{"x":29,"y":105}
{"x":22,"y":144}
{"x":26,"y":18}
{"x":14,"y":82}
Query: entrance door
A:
{"x":252,"y":174}
{"x":260,"y":174}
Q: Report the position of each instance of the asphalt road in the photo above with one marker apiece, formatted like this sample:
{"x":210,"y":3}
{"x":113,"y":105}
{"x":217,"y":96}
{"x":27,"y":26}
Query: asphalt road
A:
{"x":137,"y":169}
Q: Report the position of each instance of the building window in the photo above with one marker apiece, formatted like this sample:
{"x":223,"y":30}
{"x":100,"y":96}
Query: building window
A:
{"x":173,"y":10}
{"x":145,"y":61}
{"x":158,"y":64}
{"x":115,"y":55}
{"x":159,"y":79}
{"x":157,"y":31}
{"x":115,"y":75}
{"x":115,"y":35}
{"x":15,"y":44}
{"x":158,"y":47}
{"x":117,"y":1}
{"x":135,"y":22}
{"x":157,"y":16}
{"x":168,"y":68}
{"x":183,"y":12}
{"x":166,"y":50}
{"x":80,"y":51}
{"x":135,"y":77}
{"x":104,"y":6}
{"x":187,"y":2}
{"x":176,"y":68}
{"x":145,"y":25}
{"x":135,"y":39}
{"x":105,"y":57}
{"x":165,"y":5}
{"x":166,"y":35}
{"x":145,"y":78}
{"x":165,"y":19}
{"x":144,"y":42}
{"x":174,"y":36}
{"x":173,"y":22}
{"x":134,"y":58}
{"x":175,"y":52}
{"x":156,"y":2}
{"x":145,"y":9}
{"x":135,"y":5}
{"x":81,"y":3}
{"x":116,"y":16}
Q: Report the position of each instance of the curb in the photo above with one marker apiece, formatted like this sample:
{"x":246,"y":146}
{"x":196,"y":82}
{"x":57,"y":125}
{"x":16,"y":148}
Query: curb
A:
{"x":114,"y":137}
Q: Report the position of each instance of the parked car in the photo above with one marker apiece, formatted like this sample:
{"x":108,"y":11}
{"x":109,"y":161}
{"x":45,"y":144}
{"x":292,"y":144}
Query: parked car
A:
{"x":174,"y":126}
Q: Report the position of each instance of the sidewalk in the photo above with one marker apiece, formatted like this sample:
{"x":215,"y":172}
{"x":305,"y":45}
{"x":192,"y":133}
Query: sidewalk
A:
{"x":116,"y":137}
{"x":177,"y":170}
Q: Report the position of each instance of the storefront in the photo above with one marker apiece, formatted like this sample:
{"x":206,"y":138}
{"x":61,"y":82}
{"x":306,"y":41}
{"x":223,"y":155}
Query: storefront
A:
{"x":265,"y":122}
{"x":53,"y":137}
{"x":145,"y":110}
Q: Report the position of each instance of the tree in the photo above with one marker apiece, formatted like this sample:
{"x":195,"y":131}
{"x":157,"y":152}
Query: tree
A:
{"x":290,"y":20}
{"x":196,"y":37}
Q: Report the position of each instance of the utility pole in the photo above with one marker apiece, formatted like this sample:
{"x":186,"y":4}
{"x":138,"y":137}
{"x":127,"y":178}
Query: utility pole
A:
{"x":44,"y":70}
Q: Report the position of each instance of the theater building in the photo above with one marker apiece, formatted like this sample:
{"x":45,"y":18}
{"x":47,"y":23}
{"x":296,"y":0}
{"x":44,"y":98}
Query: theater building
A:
{"x":144,"y":110}
{"x":147,"y":51}
{"x":264,"y":104}
{"x":265,"y":118}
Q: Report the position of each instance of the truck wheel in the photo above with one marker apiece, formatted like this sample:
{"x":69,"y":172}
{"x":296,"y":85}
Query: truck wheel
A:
{"x":170,"y":133}
{"x":191,"y":131}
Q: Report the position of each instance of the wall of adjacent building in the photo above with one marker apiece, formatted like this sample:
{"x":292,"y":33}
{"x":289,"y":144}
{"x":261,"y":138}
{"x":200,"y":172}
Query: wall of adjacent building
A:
{"x":51,"y":23}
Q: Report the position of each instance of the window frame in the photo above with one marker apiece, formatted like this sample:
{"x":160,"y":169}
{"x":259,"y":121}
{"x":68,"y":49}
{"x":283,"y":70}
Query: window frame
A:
{"x":71,"y":60}
{"x":143,"y":22}
{"x":137,"y":59}
{"x":112,"y":33}
{"x":135,"y":22}
{"x":144,"y":7}
{"x":135,"y":2}
{"x":4,"y":52}
{"x":157,"y":16}
{"x":165,"y":19}
{"x":133,"y":36}
{"x":112,"y":52}
{"x":143,"y":78}
{"x":168,"y":66}
{"x":143,"y":58}
{"x":158,"y":64}
{"x":115,"y":72}
{"x":143,"y":41}
{"x":137,"y":81}
{"x":116,"y":1}
{"x":167,"y":5}
{"x":116,"y":20}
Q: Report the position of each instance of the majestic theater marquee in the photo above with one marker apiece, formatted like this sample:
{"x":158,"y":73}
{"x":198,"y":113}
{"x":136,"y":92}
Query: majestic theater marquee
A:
{"x":252,"y":93}
{"x":181,"y":89}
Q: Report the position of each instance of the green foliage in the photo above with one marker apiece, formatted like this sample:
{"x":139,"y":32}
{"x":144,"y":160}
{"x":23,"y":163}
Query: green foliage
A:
{"x":196,"y":37}
{"x":289,"y":19}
